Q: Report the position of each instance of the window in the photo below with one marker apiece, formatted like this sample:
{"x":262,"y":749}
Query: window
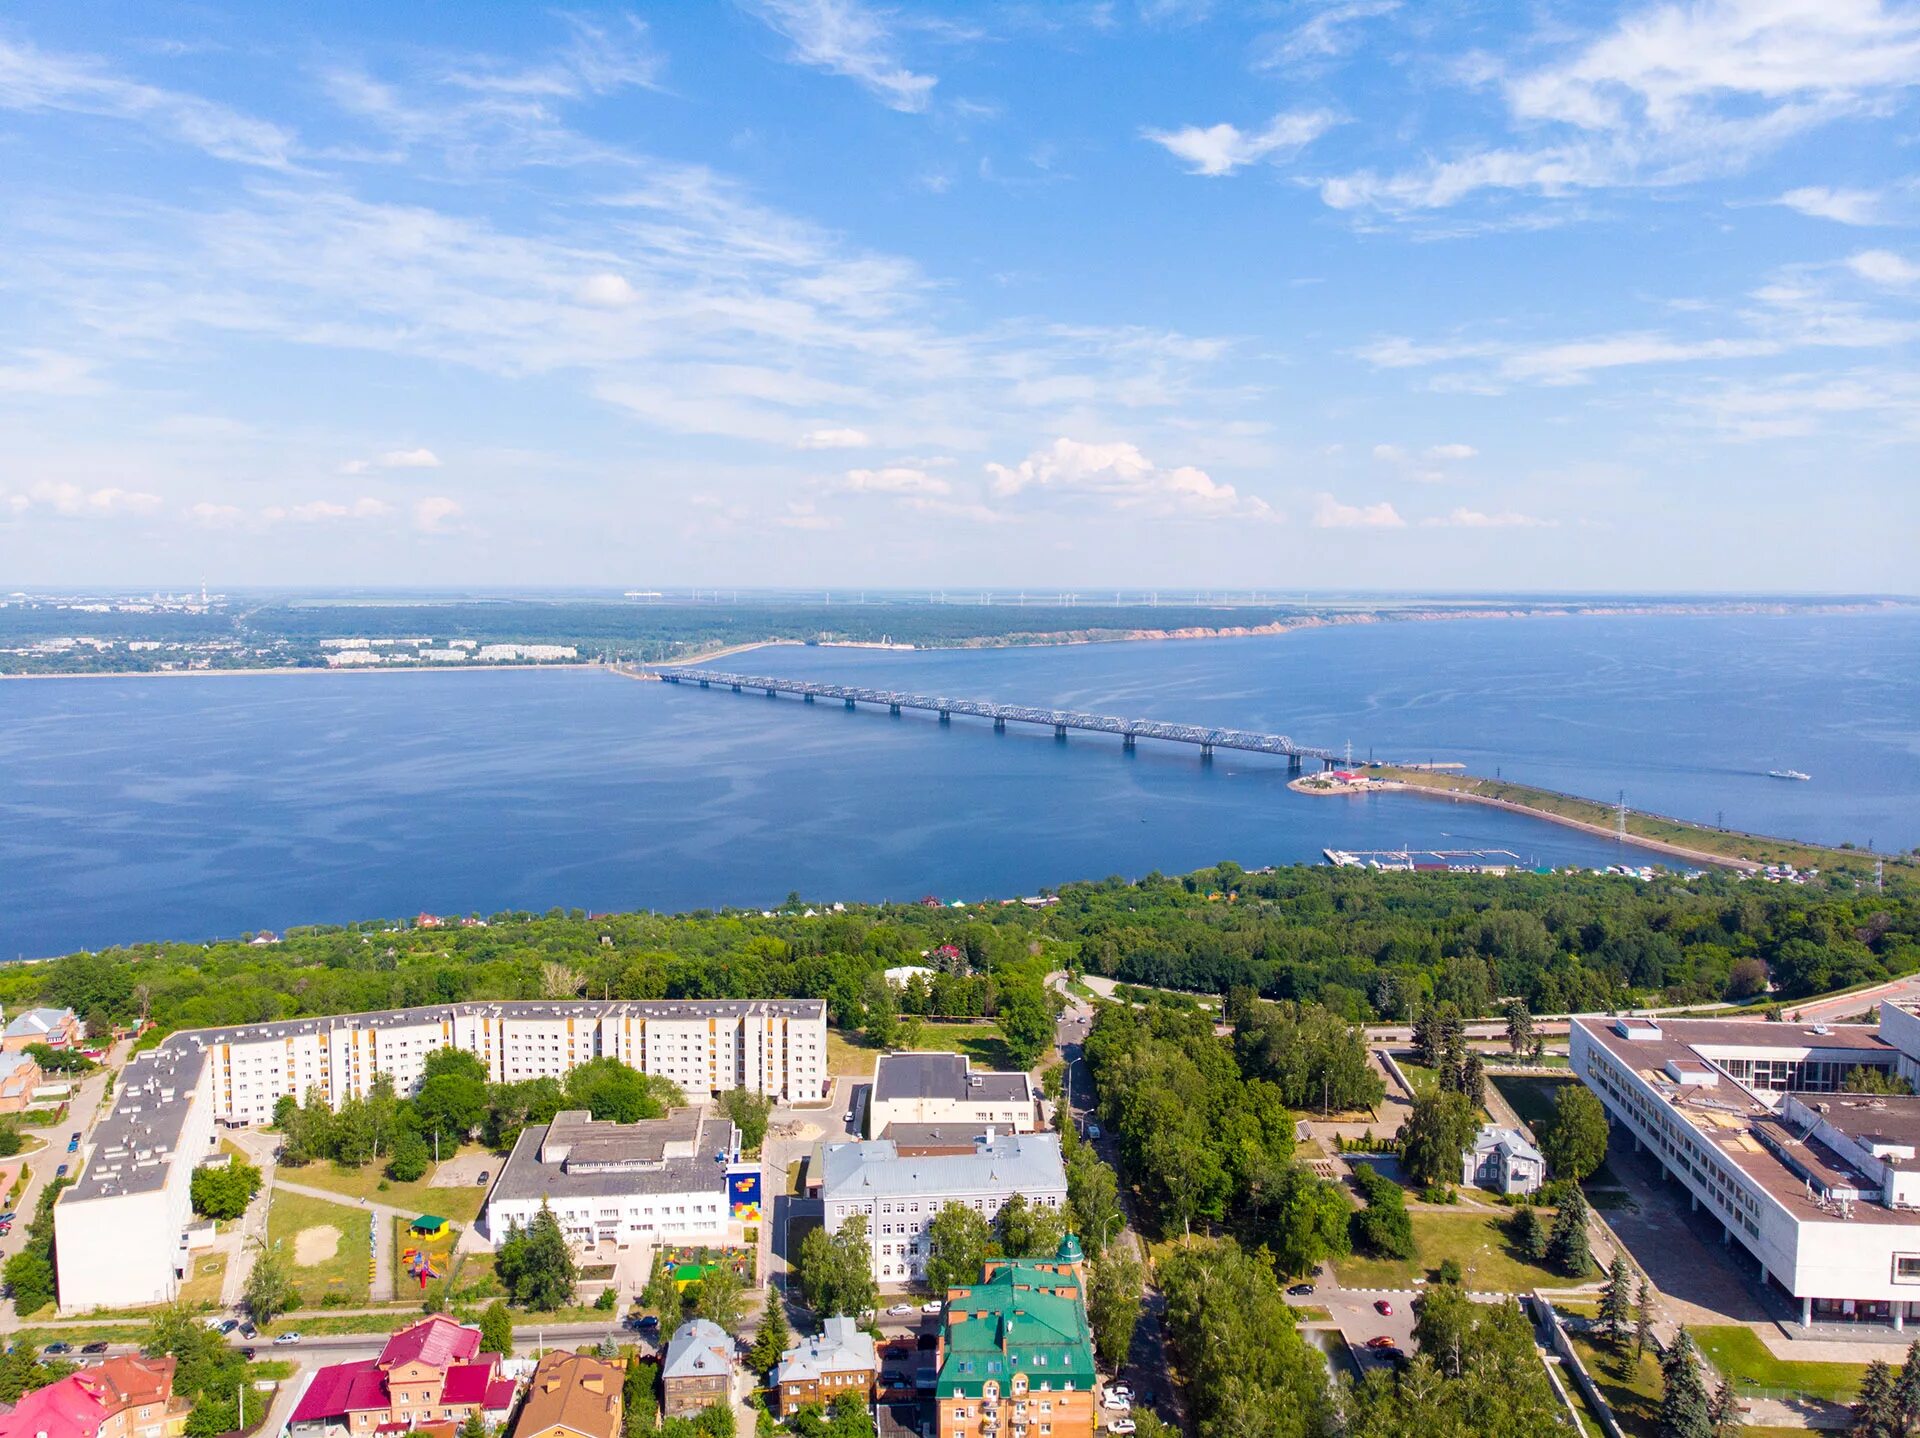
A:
{"x":1906,"y":1268}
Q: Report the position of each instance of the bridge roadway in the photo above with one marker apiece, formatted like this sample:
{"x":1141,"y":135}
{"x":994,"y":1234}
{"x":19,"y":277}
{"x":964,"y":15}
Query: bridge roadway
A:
{"x":1062,"y":720}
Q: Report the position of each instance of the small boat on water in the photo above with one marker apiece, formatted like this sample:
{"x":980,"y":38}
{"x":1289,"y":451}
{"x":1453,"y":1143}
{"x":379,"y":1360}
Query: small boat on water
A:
{"x":1787,"y":774}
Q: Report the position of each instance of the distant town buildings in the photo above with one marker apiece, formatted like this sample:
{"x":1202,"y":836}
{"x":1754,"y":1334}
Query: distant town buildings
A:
{"x":433,"y":1372}
{"x":698,"y":1370}
{"x":1016,"y":1351}
{"x":938,"y":1088}
{"x":840,"y":1358}
{"x":118,"y":1398}
{"x":1501,"y":1160}
{"x":900,"y":1196}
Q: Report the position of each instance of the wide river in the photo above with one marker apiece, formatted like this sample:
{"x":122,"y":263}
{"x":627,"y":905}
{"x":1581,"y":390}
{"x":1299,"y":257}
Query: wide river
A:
{"x":138,"y":808}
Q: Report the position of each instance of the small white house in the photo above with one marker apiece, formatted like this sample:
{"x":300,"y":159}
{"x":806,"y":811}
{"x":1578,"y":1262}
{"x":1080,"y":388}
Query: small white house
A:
{"x":1502,"y":1161}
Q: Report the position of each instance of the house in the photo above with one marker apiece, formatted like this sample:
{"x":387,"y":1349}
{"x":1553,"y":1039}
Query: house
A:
{"x":840,"y":1358}
{"x":698,"y":1371}
{"x":1502,"y":1161}
{"x":56,"y":1028}
{"x":120,"y":1398}
{"x":19,"y":1077}
{"x":572,"y":1396}
{"x":429,"y":1373}
{"x":899,"y":1196}
{"x":944,"y":1088}
{"x":1016,"y":1351}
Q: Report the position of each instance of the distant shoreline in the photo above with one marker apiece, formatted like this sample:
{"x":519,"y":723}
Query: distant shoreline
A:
{"x":302,"y":669}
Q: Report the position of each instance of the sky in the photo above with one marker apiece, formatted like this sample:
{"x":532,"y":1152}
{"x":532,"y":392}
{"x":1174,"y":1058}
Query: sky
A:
{"x":1448,"y":294}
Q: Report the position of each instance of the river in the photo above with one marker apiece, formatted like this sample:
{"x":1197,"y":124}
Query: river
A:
{"x":138,"y":808}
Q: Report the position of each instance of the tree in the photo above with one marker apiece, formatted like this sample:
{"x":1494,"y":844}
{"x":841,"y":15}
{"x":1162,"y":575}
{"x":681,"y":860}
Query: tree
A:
{"x":451,"y":1104}
{"x":1312,"y":1224}
{"x":1568,"y":1249}
{"x":748,"y":1112}
{"x":1435,"y":1137}
{"x":1026,"y":1022}
{"x":610,"y":1090}
{"x":1443,"y":1327}
{"x":1747,"y":979}
{"x":1030,"y":1230}
{"x":1616,"y":1300}
{"x":1575,"y":1141}
{"x":1685,"y":1409}
{"x":638,"y":1398}
{"x":410,"y":1159}
{"x":1725,"y":1410}
{"x":718,"y":1298}
{"x":836,"y":1269}
{"x":1642,"y":1320}
{"x":1530,"y":1234}
{"x":1906,"y":1387}
{"x":475,"y":1426}
{"x":959,"y":1242}
{"x":270,"y":1291}
{"x":772,"y":1337}
{"x":496,"y":1328}
{"x":1519,"y":1027}
{"x":1383,"y":1228}
{"x":1113,"y":1306}
{"x":1471,"y":1079}
{"x":1876,"y":1411}
{"x":30,"y":1277}
{"x":1871,"y":1078}
{"x":1093,"y":1191}
{"x":536,"y":1265}
{"x":224,"y":1193}
{"x":664,"y":1296}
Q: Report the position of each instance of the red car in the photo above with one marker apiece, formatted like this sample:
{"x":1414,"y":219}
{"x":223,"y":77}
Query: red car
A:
{"x":1382,"y":1306}
{"x":1380,"y":1342}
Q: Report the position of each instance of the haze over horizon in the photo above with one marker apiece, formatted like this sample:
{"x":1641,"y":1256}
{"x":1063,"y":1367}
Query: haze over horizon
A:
{"x":1358,"y":295}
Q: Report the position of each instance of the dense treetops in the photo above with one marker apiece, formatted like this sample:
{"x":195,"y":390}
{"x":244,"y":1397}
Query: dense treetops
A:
{"x":1364,"y":944}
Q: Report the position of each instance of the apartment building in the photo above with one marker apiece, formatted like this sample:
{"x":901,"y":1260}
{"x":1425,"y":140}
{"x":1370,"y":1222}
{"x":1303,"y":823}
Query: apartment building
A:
{"x":1754,"y":1124}
{"x":1016,"y":1352}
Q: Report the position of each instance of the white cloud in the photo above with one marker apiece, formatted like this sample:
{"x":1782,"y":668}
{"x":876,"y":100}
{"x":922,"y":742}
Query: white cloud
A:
{"x":605,"y":291}
{"x":1222,"y":149}
{"x":32,"y":79}
{"x":1450,"y":453}
{"x":48,"y":373}
{"x":1389,"y":453}
{"x":896,"y":479}
{"x":214,"y":516}
{"x":1330,"y":513}
{"x":1461,"y":518}
{"x":316,"y":511}
{"x":1846,"y":207}
{"x":410,"y":459}
{"x":73,"y":501}
{"x":1884,"y":267}
{"x":434,"y":514}
{"x":835,"y":439}
{"x":1328,"y":35}
{"x":598,"y":59}
{"x":850,"y":39}
{"x":1566,"y":362}
{"x":1121,"y":476}
{"x":355,"y":466}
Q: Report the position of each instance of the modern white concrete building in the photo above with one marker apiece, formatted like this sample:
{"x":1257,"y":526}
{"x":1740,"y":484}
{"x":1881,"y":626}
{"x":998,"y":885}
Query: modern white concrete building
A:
{"x":944,"y":1089}
{"x":900,"y":1196}
{"x":1752,"y":1121}
{"x":121,"y":1230}
{"x":663,"y":1180}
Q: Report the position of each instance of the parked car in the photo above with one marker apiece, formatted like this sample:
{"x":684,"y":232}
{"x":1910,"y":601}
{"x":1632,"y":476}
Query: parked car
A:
{"x":1380,"y":1305}
{"x":899,"y":1308}
{"x":1122,"y":1392}
{"x":60,"y":1172}
{"x":1116,"y":1401}
{"x":849,"y":1117}
{"x":73,"y":1145}
{"x":1093,"y":1129}
{"x":1301,"y":1290}
{"x":54,"y":1350}
{"x":95,"y":1347}
{"x":229,"y":1326}
{"x":1380,"y":1343}
{"x":247,"y":1353}
{"x":933,"y":1305}
{"x":247,"y":1330}
{"x":1121,"y":1425}
{"x":293,"y":1337}
{"x":73,"y":1137}
{"x":483,"y":1179}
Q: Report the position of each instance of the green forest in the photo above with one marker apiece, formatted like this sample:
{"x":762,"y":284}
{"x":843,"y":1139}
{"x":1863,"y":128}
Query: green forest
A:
{"x":1366,"y":945}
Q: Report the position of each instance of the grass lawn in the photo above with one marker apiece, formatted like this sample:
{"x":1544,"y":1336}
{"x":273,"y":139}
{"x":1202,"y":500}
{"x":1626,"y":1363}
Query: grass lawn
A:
{"x":462,"y":1203}
{"x":1477,"y":1241}
{"x":1531,"y":1095}
{"x":1739,"y":1353}
{"x":849,"y":1055}
{"x":1631,"y":1389}
{"x":209,"y":1273}
{"x":1311,"y":1313}
{"x":342,"y":1271}
{"x":1419,"y":1075}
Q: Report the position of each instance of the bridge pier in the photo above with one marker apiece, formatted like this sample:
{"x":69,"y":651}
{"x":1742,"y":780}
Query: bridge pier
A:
{"x":1206,"y":753}
{"x":849,"y":704}
{"x":1293,"y":764}
{"x":703,"y":683}
{"x":806,"y":698}
{"x":735,"y":688}
{"x":945,"y":717}
{"x":999,"y":726}
{"x":1126,"y":742}
{"x":894,"y":710}
{"x":1060,"y":731}
{"x":772,"y":695}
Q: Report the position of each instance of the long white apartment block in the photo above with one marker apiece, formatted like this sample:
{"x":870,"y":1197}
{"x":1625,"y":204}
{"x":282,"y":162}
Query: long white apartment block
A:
{"x":1752,"y":1121}
{"x":121,"y":1229}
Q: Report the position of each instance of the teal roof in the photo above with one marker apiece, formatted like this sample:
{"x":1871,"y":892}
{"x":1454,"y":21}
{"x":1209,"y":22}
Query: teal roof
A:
{"x":1007,"y":1325}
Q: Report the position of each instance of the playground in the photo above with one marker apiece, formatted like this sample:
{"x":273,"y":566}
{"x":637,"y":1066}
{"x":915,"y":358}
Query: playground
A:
{"x":423,"y":1249}
{"x":691,"y":1263}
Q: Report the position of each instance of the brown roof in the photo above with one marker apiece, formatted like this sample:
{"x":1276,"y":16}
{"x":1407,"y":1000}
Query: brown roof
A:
{"x":570,"y":1391}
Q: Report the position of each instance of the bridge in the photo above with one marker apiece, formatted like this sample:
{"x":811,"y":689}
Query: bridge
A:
{"x":1061,"y":720}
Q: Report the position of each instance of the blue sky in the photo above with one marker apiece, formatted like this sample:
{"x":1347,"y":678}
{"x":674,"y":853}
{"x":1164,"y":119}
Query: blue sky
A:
{"x":1366,"y":293}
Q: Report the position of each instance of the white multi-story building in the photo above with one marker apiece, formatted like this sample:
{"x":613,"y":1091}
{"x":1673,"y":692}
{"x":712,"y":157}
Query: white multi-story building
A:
{"x":944,"y":1089}
{"x":1821,"y":1186}
{"x":900,"y":1196}
{"x":121,"y":1229}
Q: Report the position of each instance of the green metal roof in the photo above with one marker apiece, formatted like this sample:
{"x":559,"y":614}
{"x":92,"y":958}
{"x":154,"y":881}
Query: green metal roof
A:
{"x":1024,"y":1331}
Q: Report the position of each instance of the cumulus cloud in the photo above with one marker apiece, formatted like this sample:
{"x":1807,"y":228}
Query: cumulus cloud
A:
{"x":1123,"y":478}
{"x":835,"y":439}
{"x":1461,"y":518}
{"x":607,"y":292}
{"x":1222,"y":149}
{"x":214,"y":516}
{"x":73,"y":501}
{"x":410,"y":459}
{"x":1884,"y":267}
{"x":1846,"y":207}
{"x":434,"y":514}
{"x":1330,"y":513}
{"x":319,"y":511}
{"x":849,"y":39}
{"x":1445,"y":453}
{"x":897,"y":479}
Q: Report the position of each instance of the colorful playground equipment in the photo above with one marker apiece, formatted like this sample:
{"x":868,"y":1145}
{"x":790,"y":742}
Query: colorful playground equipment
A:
{"x":430,"y":1229}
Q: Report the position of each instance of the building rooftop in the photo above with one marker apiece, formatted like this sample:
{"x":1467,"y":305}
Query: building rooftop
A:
{"x":572,"y":1391}
{"x":36,"y":1023}
{"x":517,"y":1009}
{"x":1027,"y":1317}
{"x":1012,"y":1163}
{"x":698,"y":1349}
{"x":132,"y":1148}
{"x":437,"y":1341}
{"x":906,"y":1136}
{"x":581,"y":1144}
{"x":525,"y":1176}
{"x":840,"y":1347}
{"x":947,"y":1076}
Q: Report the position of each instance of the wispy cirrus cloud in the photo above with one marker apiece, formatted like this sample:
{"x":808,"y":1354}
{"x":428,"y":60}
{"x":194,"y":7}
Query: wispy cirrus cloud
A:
{"x":850,"y":39}
{"x":1846,"y":207}
{"x":1221,"y":149}
{"x":1463,"y":518}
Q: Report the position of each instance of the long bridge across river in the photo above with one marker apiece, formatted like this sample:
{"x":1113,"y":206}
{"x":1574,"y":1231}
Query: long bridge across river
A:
{"x":1129,"y":730}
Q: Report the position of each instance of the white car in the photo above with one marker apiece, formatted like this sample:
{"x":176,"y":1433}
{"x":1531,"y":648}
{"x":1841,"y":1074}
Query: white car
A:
{"x":293,"y":1337}
{"x":1121,"y":1425}
{"x":1121,"y":1391}
{"x":1116,"y":1402}
{"x":901,"y":1308}
{"x":933,"y":1305}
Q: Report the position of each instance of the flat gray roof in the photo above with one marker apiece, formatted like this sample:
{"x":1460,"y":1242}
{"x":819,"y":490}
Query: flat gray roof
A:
{"x":1015,"y":1163}
{"x":524,"y":1176}
{"x":519,"y":1009}
{"x":947,"y":1076}
{"x":133,"y":1146}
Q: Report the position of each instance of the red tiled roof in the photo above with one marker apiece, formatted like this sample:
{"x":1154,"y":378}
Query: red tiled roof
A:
{"x":341,"y":1388}
{"x":466,"y":1383}
{"x":439,"y":1341}
{"x":499,"y":1395}
{"x":76,"y":1405}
